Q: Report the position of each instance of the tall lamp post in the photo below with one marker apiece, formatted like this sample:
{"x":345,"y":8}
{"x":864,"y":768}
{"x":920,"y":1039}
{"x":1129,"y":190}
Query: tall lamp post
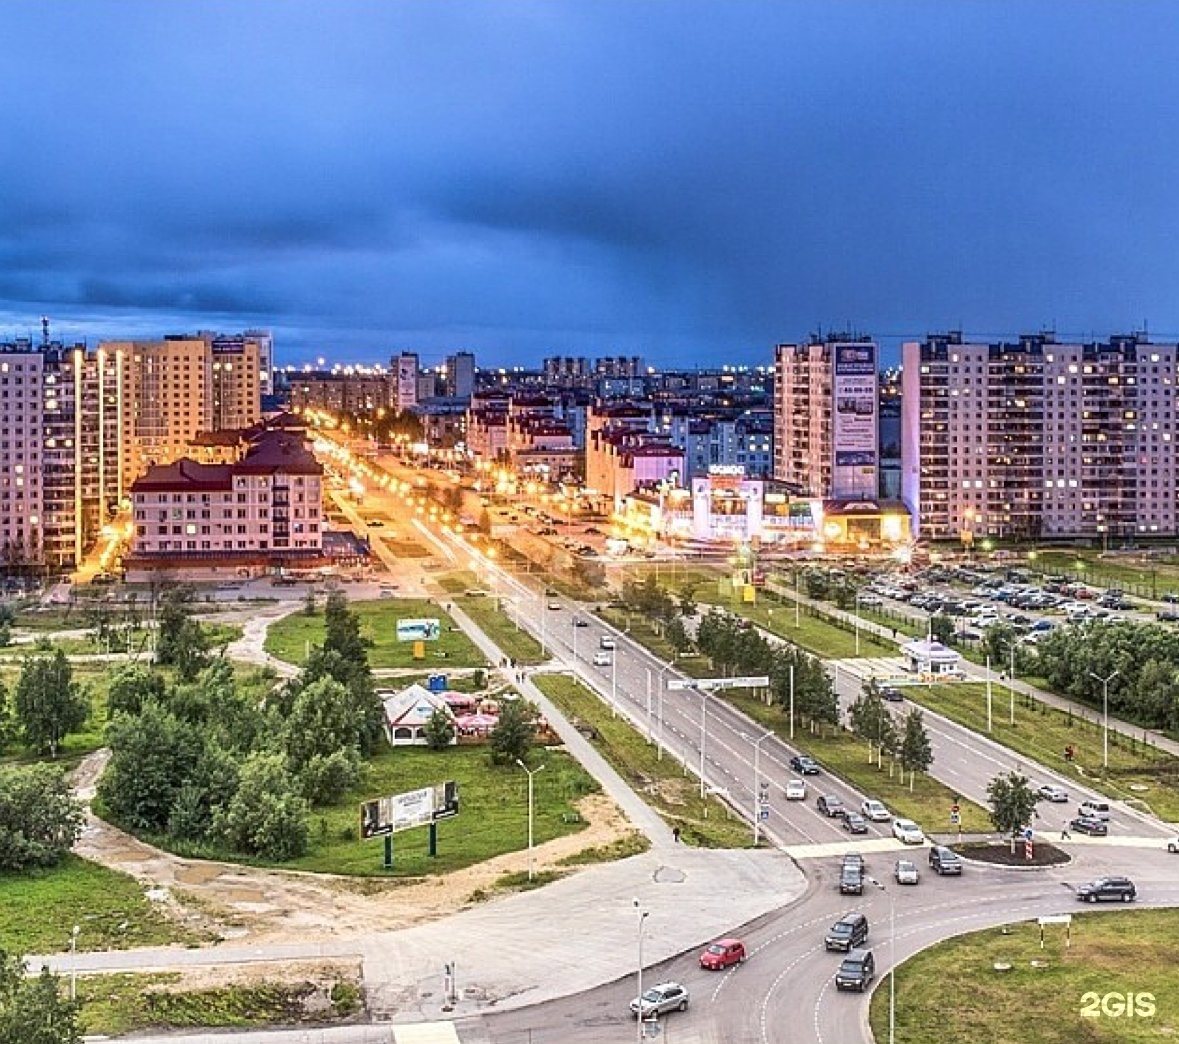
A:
{"x":1104,"y":714}
{"x":531,"y":816}
{"x":639,"y":1017}
{"x":703,"y":733}
{"x":892,"y":960}
{"x":756,"y":784}
{"x":857,"y":623}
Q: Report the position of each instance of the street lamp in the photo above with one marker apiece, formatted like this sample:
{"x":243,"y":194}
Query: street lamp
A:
{"x":892,"y":960}
{"x":756,"y":785}
{"x":639,"y":1016}
{"x":74,"y":962}
{"x":703,"y":734}
{"x":531,"y":816}
{"x":1104,"y":714}
{"x":857,"y":623}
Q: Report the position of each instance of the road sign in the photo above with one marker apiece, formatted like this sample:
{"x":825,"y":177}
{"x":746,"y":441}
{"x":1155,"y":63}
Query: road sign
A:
{"x":1027,"y":833}
{"x":759,"y":681}
{"x":954,"y":810}
{"x":955,"y":819}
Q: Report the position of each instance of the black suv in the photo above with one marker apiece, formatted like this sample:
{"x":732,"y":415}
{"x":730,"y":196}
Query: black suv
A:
{"x":944,"y":860}
{"x":850,"y":931}
{"x":851,"y":881}
{"x":805,"y":765}
{"x":829,"y":805}
{"x":1120,"y":888}
{"x":857,"y":970}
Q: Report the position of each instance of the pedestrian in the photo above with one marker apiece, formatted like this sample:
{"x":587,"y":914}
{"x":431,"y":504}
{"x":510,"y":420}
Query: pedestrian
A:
{"x":675,"y":834}
{"x":1064,"y":834}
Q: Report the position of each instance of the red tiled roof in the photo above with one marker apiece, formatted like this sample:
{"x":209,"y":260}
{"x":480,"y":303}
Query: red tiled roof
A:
{"x":185,"y":475}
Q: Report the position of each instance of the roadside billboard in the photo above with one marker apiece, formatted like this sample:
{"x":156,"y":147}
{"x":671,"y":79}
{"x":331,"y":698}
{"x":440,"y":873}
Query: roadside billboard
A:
{"x":414,"y":808}
{"x":426,"y":630}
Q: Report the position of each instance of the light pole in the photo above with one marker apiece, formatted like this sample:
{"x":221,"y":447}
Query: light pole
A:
{"x":1104,"y":714}
{"x":1011,"y":684}
{"x":792,"y":701}
{"x":892,"y":960}
{"x":857,"y":623}
{"x":988,"y":692}
{"x":703,"y":734}
{"x":573,"y":624}
{"x":639,"y":1017}
{"x":73,"y":962}
{"x":531,"y":816}
{"x":756,"y":784}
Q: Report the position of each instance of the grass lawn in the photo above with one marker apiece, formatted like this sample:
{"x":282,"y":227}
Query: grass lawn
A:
{"x":119,"y":1004}
{"x":493,"y":818}
{"x":1042,"y":732}
{"x":517,"y":644}
{"x":663,"y":783}
{"x":93,"y":676}
{"x":1151,"y":580}
{"x":39,"y":910}
{"x":457,"y":581}
{"x":641,"y":631}
{"x":290,"y":637}
{"x":928,"y":803}
{"x":951,"y":992}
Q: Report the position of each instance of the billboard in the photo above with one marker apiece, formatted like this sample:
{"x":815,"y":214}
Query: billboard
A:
{"x":388,"y":815}
{"x":855,"y":434}
{"x":418,"y":630}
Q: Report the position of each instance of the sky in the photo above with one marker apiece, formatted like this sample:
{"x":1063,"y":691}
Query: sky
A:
{"x":691,"y":182}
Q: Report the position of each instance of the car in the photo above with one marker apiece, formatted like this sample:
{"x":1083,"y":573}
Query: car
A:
{"x":375,"y":523}
{"x":1052,"y":792}
{"x":829,"y":805}
{"x":103,"y":578}
{"x":875,"y":811}
{"x":806,"y":765}
{"x":579,"y":622}
{"x":853,"y":859}
{"x":851,"y":881}
{"x":905,"y":872}
{"x":944,"y":860}
{"x":1169,"y":615}
{"x":1094,"y":810}
{"x":1107,"y":888}
{"x":554,"y":605}
{"x":892,"y":694}
{"x":1173,"y":846}
{"x":856,"y":971}
{"x":602,"y":659}
{"x":871,"y":600}
{"x":854,"y":823}
{"x":660,"y":999}
{"x":908,"y":832}
{"x":723,"y":953}
{"x":795,"y":790}
{"x":850,"y":931}
{"x":1089,"y":825}
{"x":606,"y":642}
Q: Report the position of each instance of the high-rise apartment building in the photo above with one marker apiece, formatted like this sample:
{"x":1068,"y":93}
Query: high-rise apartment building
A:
{"x":459,"y":376}
{"x":826,"y":442}
{"x":1035,"y":438}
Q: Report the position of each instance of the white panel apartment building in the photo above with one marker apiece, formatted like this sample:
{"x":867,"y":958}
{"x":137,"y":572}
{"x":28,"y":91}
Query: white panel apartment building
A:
{"x":1033,"y":438}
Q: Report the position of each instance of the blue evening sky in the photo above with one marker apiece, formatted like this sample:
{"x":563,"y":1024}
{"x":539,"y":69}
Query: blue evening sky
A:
{"x":688,"y":181}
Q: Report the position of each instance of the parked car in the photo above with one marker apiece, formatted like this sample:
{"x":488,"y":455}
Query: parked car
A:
{"x":944,"y":860}
{"x":795,"y":790}
{"x":658,"y":1000}
{"x":875,"y":811}
{"x":854,"y":823}
{"x":907,"y":831}
{"x":850,"y":931}
{"x":906,"y":873}
{"x":856,"y":971}
{"x":1107,"y":888}
{"x":829,"y":805}
{"x":1089,"y":825}
{"x":806,"y":765}
{"x":723,"y":953}
{"x":1052,"y":792}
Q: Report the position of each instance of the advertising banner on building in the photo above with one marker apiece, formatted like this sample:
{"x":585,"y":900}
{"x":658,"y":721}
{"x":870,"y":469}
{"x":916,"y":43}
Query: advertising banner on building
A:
{"x":855,"y":434}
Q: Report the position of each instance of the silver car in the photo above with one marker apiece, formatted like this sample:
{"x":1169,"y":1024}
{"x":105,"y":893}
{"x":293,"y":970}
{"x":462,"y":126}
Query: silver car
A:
{"x":667,"y":996}
{"x":906,"y":872}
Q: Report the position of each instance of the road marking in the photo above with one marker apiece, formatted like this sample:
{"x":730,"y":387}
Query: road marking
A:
{"x":426,"y":1033}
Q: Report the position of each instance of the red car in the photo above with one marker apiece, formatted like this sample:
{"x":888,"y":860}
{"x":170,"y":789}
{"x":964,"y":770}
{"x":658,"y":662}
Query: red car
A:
{"x":722,"y":954}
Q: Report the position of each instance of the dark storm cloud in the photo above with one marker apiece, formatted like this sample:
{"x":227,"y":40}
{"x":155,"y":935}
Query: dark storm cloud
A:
{"x":689,"y":180}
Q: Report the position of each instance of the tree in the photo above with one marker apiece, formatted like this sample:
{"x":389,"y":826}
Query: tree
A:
{"x":999,"y":643}
{"x":677,"y":636}
{"x":131,"y":686}
{"x":39,"y":817}
{"x":1012,"y":803}
{"x":941,"y":628}
{"x":439,"y":730}
{"x":870,"y":720}
{"x":181,"y":641}
{"x":513,"y":733}
{"x":916,"y":753}
{"x":34,"y":1009}
{"x":323,"y":719}
{"x":7,"y":725}
{"x":49,"y":704}
{"x":326,"y":778}
{"x":267,"y":816}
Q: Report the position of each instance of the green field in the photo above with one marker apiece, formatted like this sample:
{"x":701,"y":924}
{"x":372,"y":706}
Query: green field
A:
{"x":493,"y":819}
{"x":1042,"y":732}
{"x":290,"y":638}
{"x":661,"y":782}
{"x":120,"y":1004}
{"x":928,"y":803}
{"x":952,"y":993}
{"x":498,"y":625}
{"x":38,"y":911}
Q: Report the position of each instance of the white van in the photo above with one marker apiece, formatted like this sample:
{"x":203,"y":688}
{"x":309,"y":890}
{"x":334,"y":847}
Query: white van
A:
{"x":1095,"y":809}
{"x":606,"y":642}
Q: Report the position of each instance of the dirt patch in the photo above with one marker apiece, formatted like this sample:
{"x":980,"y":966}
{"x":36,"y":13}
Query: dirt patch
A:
{"x":1043,"y":854}
{"x":271,"y":906}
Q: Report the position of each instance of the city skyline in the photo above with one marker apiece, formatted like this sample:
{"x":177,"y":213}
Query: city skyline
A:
{"x":685,"y":182}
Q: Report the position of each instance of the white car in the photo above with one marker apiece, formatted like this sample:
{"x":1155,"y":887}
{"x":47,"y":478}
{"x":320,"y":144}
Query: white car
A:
{"x":1173,"y":845}
{"x":907,"y":831}
{"x":795,"y":790}
{"x":875,"y":811}
{"x":1051,"y":792}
